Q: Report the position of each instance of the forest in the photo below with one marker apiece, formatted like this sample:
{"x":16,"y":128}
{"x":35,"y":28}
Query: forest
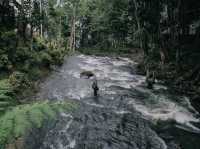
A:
{"x":37,"y":37}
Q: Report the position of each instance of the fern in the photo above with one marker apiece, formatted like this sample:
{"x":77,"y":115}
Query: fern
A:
{"x":4,"y":97}
{"x":21,"y":123}
{"x":17,"y":121}
{"x":4,"y":85}
{"x":20,"y":120}
{"x":4,"y":104}
{"x":48,"y":110}
{"x":6,"y":127}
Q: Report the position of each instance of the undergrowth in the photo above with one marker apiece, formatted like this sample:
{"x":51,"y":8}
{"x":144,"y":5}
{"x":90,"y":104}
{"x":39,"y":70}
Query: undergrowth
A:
{"x":18,"y":121}
{"x":6,"y":96}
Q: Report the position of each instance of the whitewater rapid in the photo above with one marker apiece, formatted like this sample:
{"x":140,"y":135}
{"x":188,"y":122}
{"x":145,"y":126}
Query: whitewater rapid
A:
{"x":120,"y":87}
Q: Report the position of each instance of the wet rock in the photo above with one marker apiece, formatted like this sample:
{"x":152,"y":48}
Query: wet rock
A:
{"x":87,"y":74}
{"x":17,"y":144}
{"x":101,"y":128}
{"x":104,"y":123}
{"x":173,"y":145}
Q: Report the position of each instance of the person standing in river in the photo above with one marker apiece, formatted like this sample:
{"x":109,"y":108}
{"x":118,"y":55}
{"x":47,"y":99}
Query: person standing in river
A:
{"x":150,"y":79}
{"x":95,"y":86}
{"x":89,"y":75}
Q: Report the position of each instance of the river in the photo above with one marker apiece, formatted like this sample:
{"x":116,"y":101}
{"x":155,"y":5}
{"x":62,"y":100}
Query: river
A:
{"x":126,"y":115}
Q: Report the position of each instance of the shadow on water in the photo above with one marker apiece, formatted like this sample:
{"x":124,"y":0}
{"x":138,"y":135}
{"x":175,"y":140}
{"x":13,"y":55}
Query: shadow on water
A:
{"x":125,"y":115}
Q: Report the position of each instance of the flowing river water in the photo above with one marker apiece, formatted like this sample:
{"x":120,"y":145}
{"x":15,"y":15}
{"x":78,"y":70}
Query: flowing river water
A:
{"x":126,"y":115}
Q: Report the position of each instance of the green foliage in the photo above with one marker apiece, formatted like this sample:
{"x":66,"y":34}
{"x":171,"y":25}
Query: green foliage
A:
{"x":19,"y":81}
{"x":57,"y":55}
{"x":8,"y":37}
{"x":45,"y":55}
{"x":19,"y":121}
{"x":39,"y":44}
{"x":4,"y":61}
{"x":6,"y":96}
{"x":36,"y":73}
{"x":22,"y":54}
{"x":106,"y":23}
{"x":7,"y":43}
{"x":105,"y":52}
{"x":45,"y":58}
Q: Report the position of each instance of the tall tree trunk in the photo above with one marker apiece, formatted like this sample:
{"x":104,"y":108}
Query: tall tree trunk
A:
{"x":41,"y":25}
{"x":72,"y":40}
{"x":136,"y":15}
{"x":21,"y":27}
{"x":178,"y":51}
{"x":71,"y":36}
{"x":74,"y":31}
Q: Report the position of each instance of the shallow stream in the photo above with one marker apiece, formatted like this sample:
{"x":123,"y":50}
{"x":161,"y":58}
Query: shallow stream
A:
{"x":126,"y":115}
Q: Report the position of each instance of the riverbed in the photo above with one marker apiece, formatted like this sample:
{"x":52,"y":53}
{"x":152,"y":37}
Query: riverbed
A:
{"x":125,"y":115}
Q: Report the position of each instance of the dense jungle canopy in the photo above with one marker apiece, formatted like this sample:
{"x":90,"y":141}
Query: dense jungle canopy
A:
{"x":160,"y":27}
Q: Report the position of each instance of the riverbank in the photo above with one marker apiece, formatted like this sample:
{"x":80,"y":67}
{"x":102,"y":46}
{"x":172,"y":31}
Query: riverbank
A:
{"x":21,"y":72}
{"x":182,"y":82}
{"x":113,"y":52}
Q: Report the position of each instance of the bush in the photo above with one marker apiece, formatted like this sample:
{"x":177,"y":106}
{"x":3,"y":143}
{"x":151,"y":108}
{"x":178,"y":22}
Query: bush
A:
{"x":35,"y":73}
{"x":45,"y":58}
{"x":39,"y":44}
{"x":22,"y":54}
{"x":8,"y":38}
{"x":19,"y":81}
{"x":4,"y":61}
{"x":57,"y":55}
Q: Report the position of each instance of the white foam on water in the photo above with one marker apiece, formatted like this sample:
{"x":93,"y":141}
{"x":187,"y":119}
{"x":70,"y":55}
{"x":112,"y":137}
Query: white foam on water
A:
{"x":95,"y":105}
{"x":167,"y":110}
{"x":120,"y":84}
{"x":128,"y":60}
{"x":122,"y":112}
{"x":72,"y":144}
{"x":74,"y":73}
{"x":110,"y":92}
{"x":56,"y":95}
{"x":103,"y":68}
{"x":164,"y":145}
{"x":121,"y":62}
{"x":110,"y":76}
{"x":158,"y":87}
{"x":66,"y":115}
{"x":119,"y":75}
{"x":68,"y":124}
{"x":58,"y":144}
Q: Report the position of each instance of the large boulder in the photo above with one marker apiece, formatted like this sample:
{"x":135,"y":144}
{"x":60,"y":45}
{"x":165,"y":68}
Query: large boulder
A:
{"x":87,"y":74}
